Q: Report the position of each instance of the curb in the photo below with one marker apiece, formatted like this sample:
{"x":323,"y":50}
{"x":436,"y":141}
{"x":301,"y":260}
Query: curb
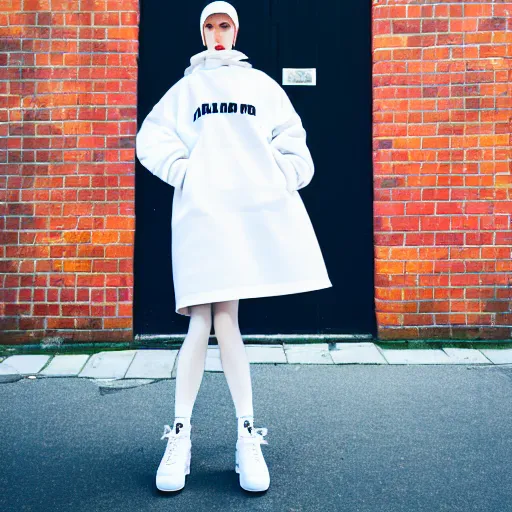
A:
{"x":157,"y":364}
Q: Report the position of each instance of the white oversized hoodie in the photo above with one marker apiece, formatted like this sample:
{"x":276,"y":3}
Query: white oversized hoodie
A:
{"x":228,"y":139}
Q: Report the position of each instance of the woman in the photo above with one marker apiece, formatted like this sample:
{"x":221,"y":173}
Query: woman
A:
{"x":228,"y":139}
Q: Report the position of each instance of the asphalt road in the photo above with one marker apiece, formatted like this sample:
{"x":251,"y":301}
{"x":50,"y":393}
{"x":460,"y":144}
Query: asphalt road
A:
{"x":341,"y":438}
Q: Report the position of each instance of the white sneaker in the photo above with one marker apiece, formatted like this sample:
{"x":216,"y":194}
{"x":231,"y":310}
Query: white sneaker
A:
{"x":175,"y":463}
{"x":250,"y":464}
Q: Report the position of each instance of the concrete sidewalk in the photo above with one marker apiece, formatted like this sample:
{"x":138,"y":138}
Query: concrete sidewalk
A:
{"x":161,"y":363}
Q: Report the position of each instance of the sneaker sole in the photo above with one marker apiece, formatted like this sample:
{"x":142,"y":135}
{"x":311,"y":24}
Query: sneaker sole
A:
{"x":242,"y":484}
{"x":170,"y":490}
{"x":245,"y":488}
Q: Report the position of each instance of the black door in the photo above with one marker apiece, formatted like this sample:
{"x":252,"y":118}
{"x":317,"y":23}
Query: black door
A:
{"x":336,"y":113}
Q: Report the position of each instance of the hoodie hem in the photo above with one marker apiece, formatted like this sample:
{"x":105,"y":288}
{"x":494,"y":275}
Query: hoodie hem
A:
{"x":251,"y":292}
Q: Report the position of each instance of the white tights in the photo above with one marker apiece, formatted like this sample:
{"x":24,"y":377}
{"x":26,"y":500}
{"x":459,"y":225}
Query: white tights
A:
{"x":192,"y":355}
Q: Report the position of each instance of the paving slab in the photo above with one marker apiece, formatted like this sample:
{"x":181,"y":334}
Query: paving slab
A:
{"x":311,"y":353}
{"x":357,"y":353}
{"x":465,"y":356}
{"x":65,"y":365}
{"x":26,"y":364}
{"x":265,"y":354}
{"x":498,"y":355}
{"x":8,"y":374}
{"x":213,"y":362}
{"x":415,"y":356}
{"x":105,"y":365}
{"x":154,"y":364}
{"x":6,"y":369}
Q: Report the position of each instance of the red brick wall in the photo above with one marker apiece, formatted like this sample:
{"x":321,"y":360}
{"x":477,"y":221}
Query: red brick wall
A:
{"x":442,"y":121}
{"x":68,"y":73}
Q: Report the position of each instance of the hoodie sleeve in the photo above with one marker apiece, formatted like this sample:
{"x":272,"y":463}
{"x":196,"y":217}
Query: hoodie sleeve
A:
{"x":158,"y":147}
{"x":289,"y":145}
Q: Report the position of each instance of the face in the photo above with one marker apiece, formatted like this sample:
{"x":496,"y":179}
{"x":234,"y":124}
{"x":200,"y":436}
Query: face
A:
{"x":219,"y":29}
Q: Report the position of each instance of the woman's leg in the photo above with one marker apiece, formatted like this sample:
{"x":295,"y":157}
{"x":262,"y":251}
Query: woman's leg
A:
{"x":175,"y":463}
{"x":191,"y":359}
{"x":249,"y":460}
{"x":233,"y":356}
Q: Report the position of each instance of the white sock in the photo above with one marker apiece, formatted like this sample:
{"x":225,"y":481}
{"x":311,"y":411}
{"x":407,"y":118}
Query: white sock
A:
{"x":245,"y":425}
{"x":184,"y":421}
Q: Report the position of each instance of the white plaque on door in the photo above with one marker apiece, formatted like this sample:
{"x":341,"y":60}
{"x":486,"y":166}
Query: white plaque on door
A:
{"x":299,"y":76}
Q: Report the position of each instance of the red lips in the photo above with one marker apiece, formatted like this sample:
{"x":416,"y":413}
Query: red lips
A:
{"x":219,"y":47}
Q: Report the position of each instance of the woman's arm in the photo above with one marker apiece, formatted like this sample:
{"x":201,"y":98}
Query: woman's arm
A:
{"x":157,"y":144}
{"x":289,"y":145}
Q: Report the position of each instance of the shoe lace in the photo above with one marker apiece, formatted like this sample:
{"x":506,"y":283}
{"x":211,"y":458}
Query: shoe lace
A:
{"x":173,"y":441}
{"x":254,"y":441}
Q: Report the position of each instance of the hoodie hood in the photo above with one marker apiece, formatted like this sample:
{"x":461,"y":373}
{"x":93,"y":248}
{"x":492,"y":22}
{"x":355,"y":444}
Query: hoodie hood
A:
{"x":210,"y":59}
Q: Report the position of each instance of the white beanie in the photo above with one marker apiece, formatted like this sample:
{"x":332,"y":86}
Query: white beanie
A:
{"x":217,"y":8}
